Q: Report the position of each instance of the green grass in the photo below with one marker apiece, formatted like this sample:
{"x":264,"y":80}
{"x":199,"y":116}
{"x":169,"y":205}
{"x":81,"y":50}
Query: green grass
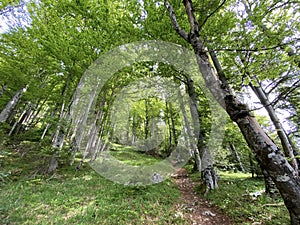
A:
{"x":82,"y":197}
{"x":233,"y":198}
{"x":86,"y":198}
{"x":131,"y":156}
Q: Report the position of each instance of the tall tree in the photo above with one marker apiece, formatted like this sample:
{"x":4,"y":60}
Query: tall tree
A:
{"x":266,"y":151}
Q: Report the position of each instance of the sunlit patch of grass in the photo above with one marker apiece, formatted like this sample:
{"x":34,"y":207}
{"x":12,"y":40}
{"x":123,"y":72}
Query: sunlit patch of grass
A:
{"x":231,"y":175}
{"x":131,"y":156}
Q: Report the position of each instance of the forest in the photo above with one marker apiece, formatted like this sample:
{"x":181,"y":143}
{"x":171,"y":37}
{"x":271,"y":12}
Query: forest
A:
{"x":149,"y":112}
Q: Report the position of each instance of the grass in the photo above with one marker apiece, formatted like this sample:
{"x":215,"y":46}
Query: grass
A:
{"x":131,"y":156}
{"x":234,"y":198}
{"x":86,"y":198}
{"x":82,"y":197}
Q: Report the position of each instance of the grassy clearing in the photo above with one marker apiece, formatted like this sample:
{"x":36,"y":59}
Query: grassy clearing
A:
{"x":82,"y":197}
{"x":233,"y":198}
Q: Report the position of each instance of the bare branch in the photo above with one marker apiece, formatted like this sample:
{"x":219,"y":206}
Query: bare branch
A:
{"x":211,"y":14}
{"x":275,"y":6}
{"x":285,"y":94}
{"x":175,"y":24}
{"x":249,"y":49}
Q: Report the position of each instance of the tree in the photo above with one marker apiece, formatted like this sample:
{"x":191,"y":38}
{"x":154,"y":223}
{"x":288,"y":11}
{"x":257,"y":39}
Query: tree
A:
{"x":267,"y":153}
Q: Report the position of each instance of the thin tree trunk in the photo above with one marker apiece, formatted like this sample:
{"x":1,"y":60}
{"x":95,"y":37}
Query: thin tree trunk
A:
{"x":147,"y":119}
{"x":3,"y":89}
{"x":252,"y":166}
{"x":237,"y":156}
{"x":58,"y":138}
{"x":21,"y":121}
{"x":16,"y":123}
{"x":190,"y":133}
{"x":284,"y":139}
{"x":168,"y":109}
{"x":208,"y":175}
{"x":11,"y":105}
{"x":267,"y":153}
{"x":286,"y":142}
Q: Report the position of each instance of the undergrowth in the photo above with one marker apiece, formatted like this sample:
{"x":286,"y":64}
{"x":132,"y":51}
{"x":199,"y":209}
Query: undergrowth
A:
{"x":242,"y":198}
{"x":77,"y":197}
{"x":84,"y":197}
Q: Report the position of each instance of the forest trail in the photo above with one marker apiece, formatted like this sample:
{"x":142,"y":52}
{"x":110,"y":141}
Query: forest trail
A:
{"x":194,"y":207}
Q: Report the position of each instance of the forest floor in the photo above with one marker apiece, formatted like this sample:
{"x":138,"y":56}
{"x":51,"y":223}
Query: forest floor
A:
{"x":83,"y":197}
{"x":194,"y":207}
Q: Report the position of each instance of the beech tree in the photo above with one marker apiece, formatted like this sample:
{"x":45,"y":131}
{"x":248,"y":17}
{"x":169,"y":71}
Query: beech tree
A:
{"x":266,"y":151}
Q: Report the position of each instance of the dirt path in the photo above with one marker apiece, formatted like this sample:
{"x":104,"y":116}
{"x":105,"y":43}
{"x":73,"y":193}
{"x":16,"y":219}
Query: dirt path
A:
{"x":194,"y":207}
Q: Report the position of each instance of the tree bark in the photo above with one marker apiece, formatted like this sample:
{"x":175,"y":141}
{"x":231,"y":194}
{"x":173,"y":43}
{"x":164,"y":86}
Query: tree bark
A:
{"x":18,"y":125}
{"x":284,"y":139}
{"x":237,"y":156}
{"x":11,"y":105}
{"x":208,"y":175}
{"x":193,"y":146}
{"x":267,"y":153}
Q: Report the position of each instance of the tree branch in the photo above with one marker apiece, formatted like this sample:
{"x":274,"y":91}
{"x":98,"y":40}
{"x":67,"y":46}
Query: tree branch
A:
{"x":275,"y":6}
{"x":285,"y":94}
{"x":191,"y":17}
{"x":251,"y":50}
{"x":211,"y":14}
{"x":175,"y":24}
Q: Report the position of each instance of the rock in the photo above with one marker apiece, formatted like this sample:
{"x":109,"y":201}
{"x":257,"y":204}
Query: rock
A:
{"x":208,"y":213}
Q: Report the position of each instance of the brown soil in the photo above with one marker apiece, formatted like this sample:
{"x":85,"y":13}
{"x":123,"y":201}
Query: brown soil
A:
{"x":194,"y":207}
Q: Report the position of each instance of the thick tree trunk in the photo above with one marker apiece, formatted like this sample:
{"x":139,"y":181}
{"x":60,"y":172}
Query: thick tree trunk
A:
{"x":11,"y":105}
{"x":270,"y":187}
{"x":267,"y":153}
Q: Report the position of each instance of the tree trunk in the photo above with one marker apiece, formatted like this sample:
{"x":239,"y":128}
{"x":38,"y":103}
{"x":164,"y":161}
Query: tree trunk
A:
{"x":3,"y":89}
{"x":59,"y":136}
{"x":18,"y":125}
{"x":193,"y":146}
{"x":169,"y":114}
{"x":270,"y":187}
{"x":267,"y":153}
{"x":11,"y":105}
{"x":208,"y":174}
{"x":147,"y":119}
{"x":237,"y":156}
{"x":284,"y":139}
{"x":252,"y":166}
